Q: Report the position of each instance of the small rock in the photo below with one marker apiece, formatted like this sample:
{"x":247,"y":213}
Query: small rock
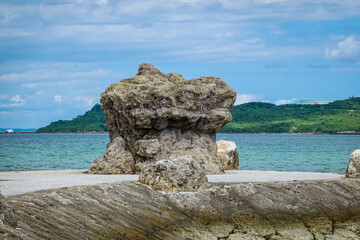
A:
{"x":353,"y":169}
{"x":228,"y":153}
{"x":180,"y":175}
{"x":147,"y":148}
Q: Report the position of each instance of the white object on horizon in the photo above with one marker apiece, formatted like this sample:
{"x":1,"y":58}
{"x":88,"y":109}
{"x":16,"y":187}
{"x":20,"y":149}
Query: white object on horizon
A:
{"x":9,"y":131}
{"x":315,"y":102}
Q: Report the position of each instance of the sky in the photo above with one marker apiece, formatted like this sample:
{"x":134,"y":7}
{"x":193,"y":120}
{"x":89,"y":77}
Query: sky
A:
{"x":57,"y":56}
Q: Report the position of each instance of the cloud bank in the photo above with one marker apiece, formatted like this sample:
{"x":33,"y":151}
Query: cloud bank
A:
{"x":245,"y":98}
{"x":346,"y":50}
{"x":58,"y":56}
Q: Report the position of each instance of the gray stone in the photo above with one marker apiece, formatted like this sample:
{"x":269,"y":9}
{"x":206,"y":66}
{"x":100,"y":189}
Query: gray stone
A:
{"x":244,"y":236}
{"x":220,"y":229}
{"x":353,"y":169}
{"x":147,"y":148}
{"x":228,"y":153}
{"x":291,"y":228}
{"x":164,"y":116}
{"x":7,"y":215}
{"x":253,"y":225}
{"x":320,"y":225}
{"x":342,"y":234}
{"x":116,"y":160}
{"x":179,"y":175}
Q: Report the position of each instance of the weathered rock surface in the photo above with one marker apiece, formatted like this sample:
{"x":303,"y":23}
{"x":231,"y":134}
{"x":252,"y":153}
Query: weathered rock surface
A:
{"x":228,"y":153}
{"x":117,"y":159}
{"x":7,"y":215}
{"x":279,"y":210}
{"x":179,"y":175}
{"x":353,"y":169}
{"x":164,"y":116}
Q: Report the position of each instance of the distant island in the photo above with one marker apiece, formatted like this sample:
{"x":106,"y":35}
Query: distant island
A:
{"x":254,"y":117}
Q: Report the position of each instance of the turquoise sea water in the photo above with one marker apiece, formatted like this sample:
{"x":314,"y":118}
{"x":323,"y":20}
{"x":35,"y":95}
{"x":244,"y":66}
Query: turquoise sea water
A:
{"x":311,"y":153}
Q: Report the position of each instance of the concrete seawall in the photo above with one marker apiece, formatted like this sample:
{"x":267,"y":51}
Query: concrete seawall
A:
{"x":318,"y":209}
{"x":20,"y":182}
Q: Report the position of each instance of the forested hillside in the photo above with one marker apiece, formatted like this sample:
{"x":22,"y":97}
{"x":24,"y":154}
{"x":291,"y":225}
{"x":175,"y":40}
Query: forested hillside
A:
{"x":254,"y":117}
{"x":91,"y":121}
{"x":259,"y":117}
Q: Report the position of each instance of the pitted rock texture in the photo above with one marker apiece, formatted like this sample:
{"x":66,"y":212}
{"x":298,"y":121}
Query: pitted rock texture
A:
{"x":228,"y":153}
{"x":179,"y":175}
{"x":117,"y":159}
{"x":276,"y":210}
{"x":7,"y":215}
{"x":353,"y":169}
{"x":164,"y":116}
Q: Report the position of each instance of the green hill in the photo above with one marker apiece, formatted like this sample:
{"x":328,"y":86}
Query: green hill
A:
{"x":91,"y":121}
{"x":257,"y":117}
{"x":254,"y":117}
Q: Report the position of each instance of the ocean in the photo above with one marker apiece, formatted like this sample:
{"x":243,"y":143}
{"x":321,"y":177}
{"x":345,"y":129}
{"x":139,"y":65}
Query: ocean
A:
{"x":275,"y":152}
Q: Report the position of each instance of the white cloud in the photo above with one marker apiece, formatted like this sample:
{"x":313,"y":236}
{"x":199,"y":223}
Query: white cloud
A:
{"x":10,"y":105}
{"x":29,"y":85}
{"x":177,"y":27}
{"x":54,"y":83}
{"x":90,"y":74}
{"x":15,"y":33}
{"x":347,"y":50}
{"x":224,"y":35}
{"x":30,"y":75}
{"x":294,"y":10}
{"x":17,"y":98}
{"x":252,"y":40}
{"x":317,"y":65}
{"x":244,"y":98}
{"x":277,"y":32}
{"x":85,"y":101}
{"x":286,"y":101}
{"x":15,"y":101}
{"x":101,"y":2}
{"x":58,"y":98}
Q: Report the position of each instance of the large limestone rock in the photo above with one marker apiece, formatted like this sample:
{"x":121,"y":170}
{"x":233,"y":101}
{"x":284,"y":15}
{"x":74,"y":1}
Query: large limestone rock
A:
{"x":180,"y":175}
{"x":228,"y":153}
{"x":353,"y":169}
{"x":164,"y":116}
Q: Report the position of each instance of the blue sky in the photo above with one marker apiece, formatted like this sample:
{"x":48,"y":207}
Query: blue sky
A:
{"x":58,"y":56}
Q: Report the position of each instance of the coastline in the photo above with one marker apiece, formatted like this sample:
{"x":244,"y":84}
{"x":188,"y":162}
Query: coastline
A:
{"x":244,"y":133}
{"x":54,"y":133}
{"x":265,"y":133}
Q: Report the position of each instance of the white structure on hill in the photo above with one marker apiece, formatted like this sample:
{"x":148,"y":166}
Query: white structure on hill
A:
{"x":315,"y":102}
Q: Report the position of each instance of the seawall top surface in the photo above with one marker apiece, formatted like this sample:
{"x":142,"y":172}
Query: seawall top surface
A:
{"x":20,"y":182}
